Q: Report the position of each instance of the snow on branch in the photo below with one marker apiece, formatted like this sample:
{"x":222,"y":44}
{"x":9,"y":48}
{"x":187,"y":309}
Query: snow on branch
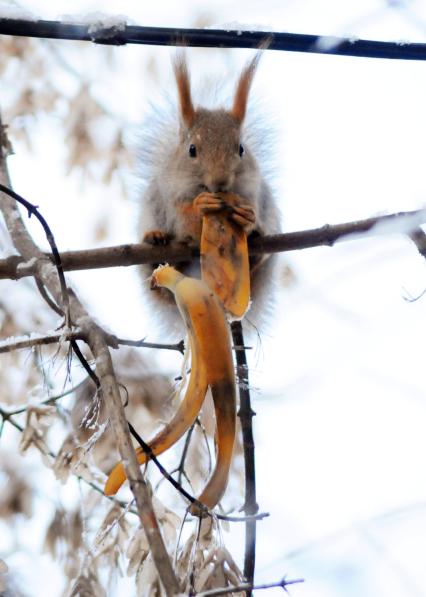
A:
{"x":104,"y":29}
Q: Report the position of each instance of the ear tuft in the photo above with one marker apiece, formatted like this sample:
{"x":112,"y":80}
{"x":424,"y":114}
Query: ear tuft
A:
{"x":184,"y":88}
{"x":239,"y":107}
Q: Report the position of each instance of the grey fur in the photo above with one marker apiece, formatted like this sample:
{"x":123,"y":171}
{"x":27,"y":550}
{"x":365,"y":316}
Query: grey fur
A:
{"x":172,"y":180}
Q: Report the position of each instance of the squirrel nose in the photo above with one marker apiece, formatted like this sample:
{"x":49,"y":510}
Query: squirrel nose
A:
{"x":216,"y":186}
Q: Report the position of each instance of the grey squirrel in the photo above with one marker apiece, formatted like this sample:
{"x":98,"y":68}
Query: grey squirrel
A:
{"x":201,"y":154}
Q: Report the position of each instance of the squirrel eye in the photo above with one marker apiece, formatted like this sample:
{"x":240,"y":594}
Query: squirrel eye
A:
{"x":192,"y":151}
{"x":241,"y":150}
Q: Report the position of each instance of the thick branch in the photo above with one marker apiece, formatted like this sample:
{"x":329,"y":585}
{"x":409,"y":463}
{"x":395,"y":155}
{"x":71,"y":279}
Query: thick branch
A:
{"x":166,"y":36}
{"x":138,"y":486}
{"x":15,"y":267}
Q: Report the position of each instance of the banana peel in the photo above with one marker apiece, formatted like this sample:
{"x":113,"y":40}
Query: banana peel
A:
{"x":225,"y":259}
{"x":211,"y":366}
{"x":225,"y":285}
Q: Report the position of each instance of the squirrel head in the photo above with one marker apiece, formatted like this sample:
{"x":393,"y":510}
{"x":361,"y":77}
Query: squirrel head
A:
{"x":211,"y":151}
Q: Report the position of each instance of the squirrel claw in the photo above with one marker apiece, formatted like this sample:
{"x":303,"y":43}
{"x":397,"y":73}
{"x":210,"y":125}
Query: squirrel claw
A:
{"x":157,"y":237}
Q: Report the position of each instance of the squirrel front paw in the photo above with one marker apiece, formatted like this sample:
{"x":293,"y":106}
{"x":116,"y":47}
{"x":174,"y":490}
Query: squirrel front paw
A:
{"x":240,"y":212}
{"x":157,"y":237}
{"x":244,"y":215}
{"x":206,"y":203}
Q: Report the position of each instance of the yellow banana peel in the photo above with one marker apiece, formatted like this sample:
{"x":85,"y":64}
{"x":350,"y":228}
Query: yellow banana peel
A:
{"x":211,"y":365}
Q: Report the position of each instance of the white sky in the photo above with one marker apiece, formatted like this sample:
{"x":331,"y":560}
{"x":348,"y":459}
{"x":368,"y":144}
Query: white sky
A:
{"x":342,"y":394}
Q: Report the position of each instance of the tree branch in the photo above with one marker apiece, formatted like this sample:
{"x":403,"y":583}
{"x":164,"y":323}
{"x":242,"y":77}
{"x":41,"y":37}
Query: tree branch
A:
{"x":15,"y":267}
{"x":122,"y":33}
{"x":246,"y":415}
{"x":47,"y":273}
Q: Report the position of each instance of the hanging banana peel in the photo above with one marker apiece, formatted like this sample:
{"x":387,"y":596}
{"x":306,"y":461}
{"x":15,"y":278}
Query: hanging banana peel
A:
{"x":208,"y":329}
{"x":211,"y":366}
{"x":225,"y":285}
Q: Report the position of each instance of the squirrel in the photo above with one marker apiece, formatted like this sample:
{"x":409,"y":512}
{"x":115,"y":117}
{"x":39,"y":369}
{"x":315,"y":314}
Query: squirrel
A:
{"x":201,"y":166}
{"x":203,"y":154}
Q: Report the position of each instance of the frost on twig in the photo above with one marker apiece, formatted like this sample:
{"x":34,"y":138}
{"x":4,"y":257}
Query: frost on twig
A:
{"x":37,"y":339}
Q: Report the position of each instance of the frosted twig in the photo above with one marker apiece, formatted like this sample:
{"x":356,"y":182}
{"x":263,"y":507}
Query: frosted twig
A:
{"x":18,"y":343}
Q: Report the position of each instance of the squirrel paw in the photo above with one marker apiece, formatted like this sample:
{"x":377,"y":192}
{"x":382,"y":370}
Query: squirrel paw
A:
{"x":157,"y":237}
{"x":244,"y":215}
{"x":208,"y":202}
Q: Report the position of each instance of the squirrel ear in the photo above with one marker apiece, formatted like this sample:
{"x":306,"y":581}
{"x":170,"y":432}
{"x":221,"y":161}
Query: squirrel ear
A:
{"x":184,"y":89}
{"x":239,"y":106}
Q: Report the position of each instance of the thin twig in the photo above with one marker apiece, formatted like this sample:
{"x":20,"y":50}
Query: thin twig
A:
{"x":179,"y":346}
{"x":181,"y":466}
{"x":246,"y":414}
{"x":249,"y":587}
{"x":33,"y":211}
{"x":17,"y":343}
{"x":14,"y":267}
{"x":47,"y":298}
